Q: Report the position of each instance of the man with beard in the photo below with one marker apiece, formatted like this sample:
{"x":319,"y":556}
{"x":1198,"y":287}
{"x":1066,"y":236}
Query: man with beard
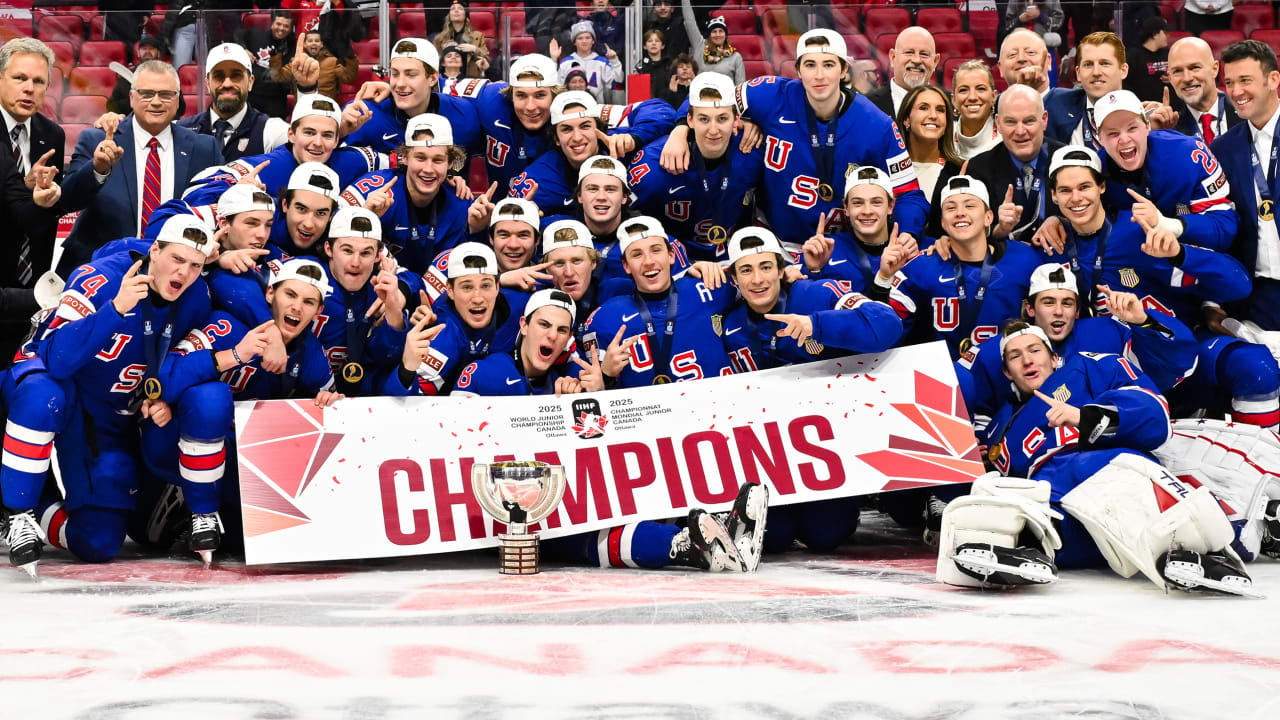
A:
{"x":239,"y":129}
{"x":913,"y":58}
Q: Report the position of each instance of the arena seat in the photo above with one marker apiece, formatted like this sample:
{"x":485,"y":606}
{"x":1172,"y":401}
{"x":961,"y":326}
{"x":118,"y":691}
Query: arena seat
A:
{"x":1270,"y":37}
{"x":484,"y":22}
{"x":878,"y":21}
{"x":82,"y":108}
{"x":411,"y":24}
{"x":101,"y":53}
{"x":940,"y":20}
{"x":757,"y":68}
{"x":1248,"y":18}
{"x":189,"y":78}
{"x":955,"y":44}
{"x":64,"y":55}
{"x":61,"y":28}
{"x":751,"y":46}
{"x":72,"y":131}
{"x":739,"y":22}
{"x":1219,"y":39}
{"x":91,"y":80}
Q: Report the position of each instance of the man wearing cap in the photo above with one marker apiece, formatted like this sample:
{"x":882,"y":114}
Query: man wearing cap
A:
{"x":149,"y":161}
{"x":377,"y":118}
{"x":478,"y":316}
{"x":513,"y":235}
{"x":854,"y":257}
{"x":710,"y":200}
{"x":913,"y":60}
{"x":580,"y":129}
{"x":815,"y":131}
{"x":514,"y":115}
{"x":570,"y":257}
{"x":604,"y":73}
{"x":239,"y":129}
{"x":666,"y":330}
{"x":103,"y":358}
{"x":313,"y":138}
{"x":964,"y":299}
{"x":421,"y":217}
{"x":1203,"y":110}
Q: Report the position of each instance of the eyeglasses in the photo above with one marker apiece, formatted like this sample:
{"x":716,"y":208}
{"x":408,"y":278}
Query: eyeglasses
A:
{"x":165,"y":95}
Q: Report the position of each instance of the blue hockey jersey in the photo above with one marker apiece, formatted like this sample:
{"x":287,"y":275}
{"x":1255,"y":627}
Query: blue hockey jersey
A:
{"x":414,"y":235}
{"x":348,"y":162}
{"x":384,"y":130}
{"x":306,"y":371}
{"x":501,"y":374}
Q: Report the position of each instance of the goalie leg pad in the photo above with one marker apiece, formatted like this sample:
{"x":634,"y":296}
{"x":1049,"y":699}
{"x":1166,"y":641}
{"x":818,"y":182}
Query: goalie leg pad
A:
{"x":1135,"y":511}
{"x":979,"y":543}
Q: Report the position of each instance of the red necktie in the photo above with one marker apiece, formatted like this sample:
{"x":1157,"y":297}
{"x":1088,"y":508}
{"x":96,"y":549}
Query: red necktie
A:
{"x":151,"y":183}
{"x":1206,"y":123}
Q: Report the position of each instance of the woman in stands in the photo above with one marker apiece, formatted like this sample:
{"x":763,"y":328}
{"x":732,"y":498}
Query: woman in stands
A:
{"x":928,"y":128}
{"x":714,"y":52}
{"x":975,"y":98}
{"x":458,"y":31}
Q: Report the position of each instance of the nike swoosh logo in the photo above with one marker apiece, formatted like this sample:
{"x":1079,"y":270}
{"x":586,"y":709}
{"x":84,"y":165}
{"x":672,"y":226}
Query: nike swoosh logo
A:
{"x":727,"y":333}
{"x":629,"y":318}
{"x":785,"y":121}
{"x":500,"y":124}
{"x":675,"y":190}
{"x":946,"y":279}
{"x":512,"y":382}
{"x":398,"y":229}
{"x":836,"y":262}
{"x":390,"y":137}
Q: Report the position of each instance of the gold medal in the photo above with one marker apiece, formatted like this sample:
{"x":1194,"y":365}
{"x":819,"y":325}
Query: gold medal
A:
{"x":825,"y":192}
{"x":152,"y":388}
{"x":717,"y":235}
{"x":993,"y":453}
{"x":1266,"y":210}
{"x":661,"y":379}
{"x":353,"y":372}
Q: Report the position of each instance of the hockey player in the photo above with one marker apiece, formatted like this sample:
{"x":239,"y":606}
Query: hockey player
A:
{"x":569,"y":256}
{"x":421,"y":216}
{"x":678,"y":339}
{"x":581,"y":128}
{"x":379,"y":114}
{"x":703,"y":205}
{"x":814,"y":131}
{"x":513,"y":234}
{"x":963,"y":300}
{"x":1084,"y":431}
{"x":515,"y":116}
{"x":97,"y":366}
{"x":477,"y":316}
{"x":854,"y":257}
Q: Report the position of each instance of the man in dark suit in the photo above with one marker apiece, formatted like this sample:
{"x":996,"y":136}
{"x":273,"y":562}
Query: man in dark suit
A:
{"x":1100,"y":68}
{"x":912,"y":59}
{"x":32,"y":142}
{"x":1253,"y":79}
{"x":21,"y":207}
{"x":1019,"y":163}
{"x":1203,"y":109}
{"x":240,"y":129}
{"x":121,"y":174}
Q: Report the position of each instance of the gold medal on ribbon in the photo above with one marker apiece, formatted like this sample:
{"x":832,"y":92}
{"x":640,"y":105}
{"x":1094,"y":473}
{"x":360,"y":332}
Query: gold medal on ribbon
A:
{"x":151,"y":387}
{"x":661,"y":379}
{"x":717,"y":235}
{"x":825,"y":192}
{"x":353,"y":372}
{"x":1266,"y":211}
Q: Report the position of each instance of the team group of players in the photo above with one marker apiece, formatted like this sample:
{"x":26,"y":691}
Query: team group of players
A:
{"x":771,"y":223}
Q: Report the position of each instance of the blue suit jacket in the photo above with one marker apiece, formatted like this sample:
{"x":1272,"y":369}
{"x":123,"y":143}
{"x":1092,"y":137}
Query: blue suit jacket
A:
{"x":110,"y":211}
{"x":1232,"y":151}
{"x":1066,"y":108}
{"x":1188,"y":126}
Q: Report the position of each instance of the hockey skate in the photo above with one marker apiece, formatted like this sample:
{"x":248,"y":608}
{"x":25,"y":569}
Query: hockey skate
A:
{"x":745,"y":523}
{"x":996,"y":565}
{"x":1188,"y":570}
{"x":26,"y":541}
{"x":1271,"y":530}
{"x":206,"y":536}
{"x":933,"y":509}
{"x":706,"y":544}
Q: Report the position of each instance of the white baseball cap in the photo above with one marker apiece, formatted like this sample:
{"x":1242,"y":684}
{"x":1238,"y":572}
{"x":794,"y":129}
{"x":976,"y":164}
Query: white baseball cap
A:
{"x":832,"y":43}
{"x":1115,"y":101}
{"x":639,"y":228}
{"x":565,"y":234}
{"x":437,"y":127}
{"x":541,"y":65}
{"x":462,"y":252}
{"x":316,"y":177}
{"x":965,"y":185}
{"x":766,"y":236}
{"x":309,"y":104}
{"x":225,"y":52}
{"x":602,"y":165}
{"x":719,"y":82}
{"x":352,"y":221}
{"x":1074,"y":156}
{"x":187,"y":230}
{"x":292,"y":269}
{"x":517,"y":210}
{"x":591,"y":108}
{"x":867,"y":175}
{"x":550,"y":298}
{"x":243,"y":197}
{"x":1029,"y":330}
{"x":1052,"y":276}
{"x":418,"y":49}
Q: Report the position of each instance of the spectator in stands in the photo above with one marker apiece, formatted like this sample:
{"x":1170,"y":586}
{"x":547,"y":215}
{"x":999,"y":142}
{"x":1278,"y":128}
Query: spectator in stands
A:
{"x":1043,"y":17}
{"x":864,"y":75}
{"x":576,"y":80}
{"x":150,"y":47}
{"x":546,"y":21}
{"x":912,"y":59}
{"x":120,"y":174}
{"x":180,"y":29}
{"x":975,"y":98}
{"x":269,"y":94}
{"x":239,"y":129}
{"x":316,"y":68}
{"x":664,"y":20}
{"x":926,"y":121}
{"x":306,"y":13}
{"x":714,"y":53}
{"x":610,"y":29}
{"x":1204,"y":15}
{"x":676,"y":91}
{"x":604,"y":74}
{"x":653,"y":59}
{"x":1149,"y":61}
{"x":453,"y":68}
{"x":469,"y":41}
{"x":1202,"y":108}
{"x":1024,"y":60}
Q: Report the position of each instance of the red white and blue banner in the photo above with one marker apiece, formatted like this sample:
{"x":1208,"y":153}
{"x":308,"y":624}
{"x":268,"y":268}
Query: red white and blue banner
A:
{"x":383,"y":477}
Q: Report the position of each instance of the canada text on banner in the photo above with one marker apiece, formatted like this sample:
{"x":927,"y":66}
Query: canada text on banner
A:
{"x":383,"y":477}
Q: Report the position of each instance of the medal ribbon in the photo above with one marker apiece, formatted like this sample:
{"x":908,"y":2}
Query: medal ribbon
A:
{"x":660,"y":347}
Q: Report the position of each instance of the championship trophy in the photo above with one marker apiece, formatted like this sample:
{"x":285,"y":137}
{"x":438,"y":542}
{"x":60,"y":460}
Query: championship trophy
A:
{"x":518,"y":494}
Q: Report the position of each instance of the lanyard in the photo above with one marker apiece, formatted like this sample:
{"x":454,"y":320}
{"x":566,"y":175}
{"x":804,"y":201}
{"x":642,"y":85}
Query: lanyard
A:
{"x":1217,"y":118}
{"x":712,"y":200}
{"x":659,"y":347}
{"x":354,"y":335}
{"x":824,"y":152}
{"x":543,"y":388}
{"x":294,"y":372}
{"x":480,"y":341}
{"x":864,"y":261}
{"x":969,"y":310}
{"x":1260,"y":181}
{"x":151,"y":386}
{"x":431,"y":233}
{"x":1085,"y":292}
{"x":768,"y":357}
{"x":1042,"y":159}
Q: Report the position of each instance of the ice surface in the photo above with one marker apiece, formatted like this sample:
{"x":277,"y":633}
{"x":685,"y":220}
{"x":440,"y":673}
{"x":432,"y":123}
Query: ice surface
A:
{"x":864,"y":633}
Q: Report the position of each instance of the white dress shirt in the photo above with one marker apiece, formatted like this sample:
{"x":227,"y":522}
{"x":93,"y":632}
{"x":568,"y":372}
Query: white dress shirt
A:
{"x":274,"y":134}
{"x":1218,"y":123}
{"x":1268,"y":263}
{"x":25,"y":146}
{"x":141,"y":151}
{"x":897,"y":94}
{"x":1077,"y":135}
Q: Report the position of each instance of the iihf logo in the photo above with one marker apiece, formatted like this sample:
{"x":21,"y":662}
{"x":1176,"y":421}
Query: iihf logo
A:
{"x":588,"y":419}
